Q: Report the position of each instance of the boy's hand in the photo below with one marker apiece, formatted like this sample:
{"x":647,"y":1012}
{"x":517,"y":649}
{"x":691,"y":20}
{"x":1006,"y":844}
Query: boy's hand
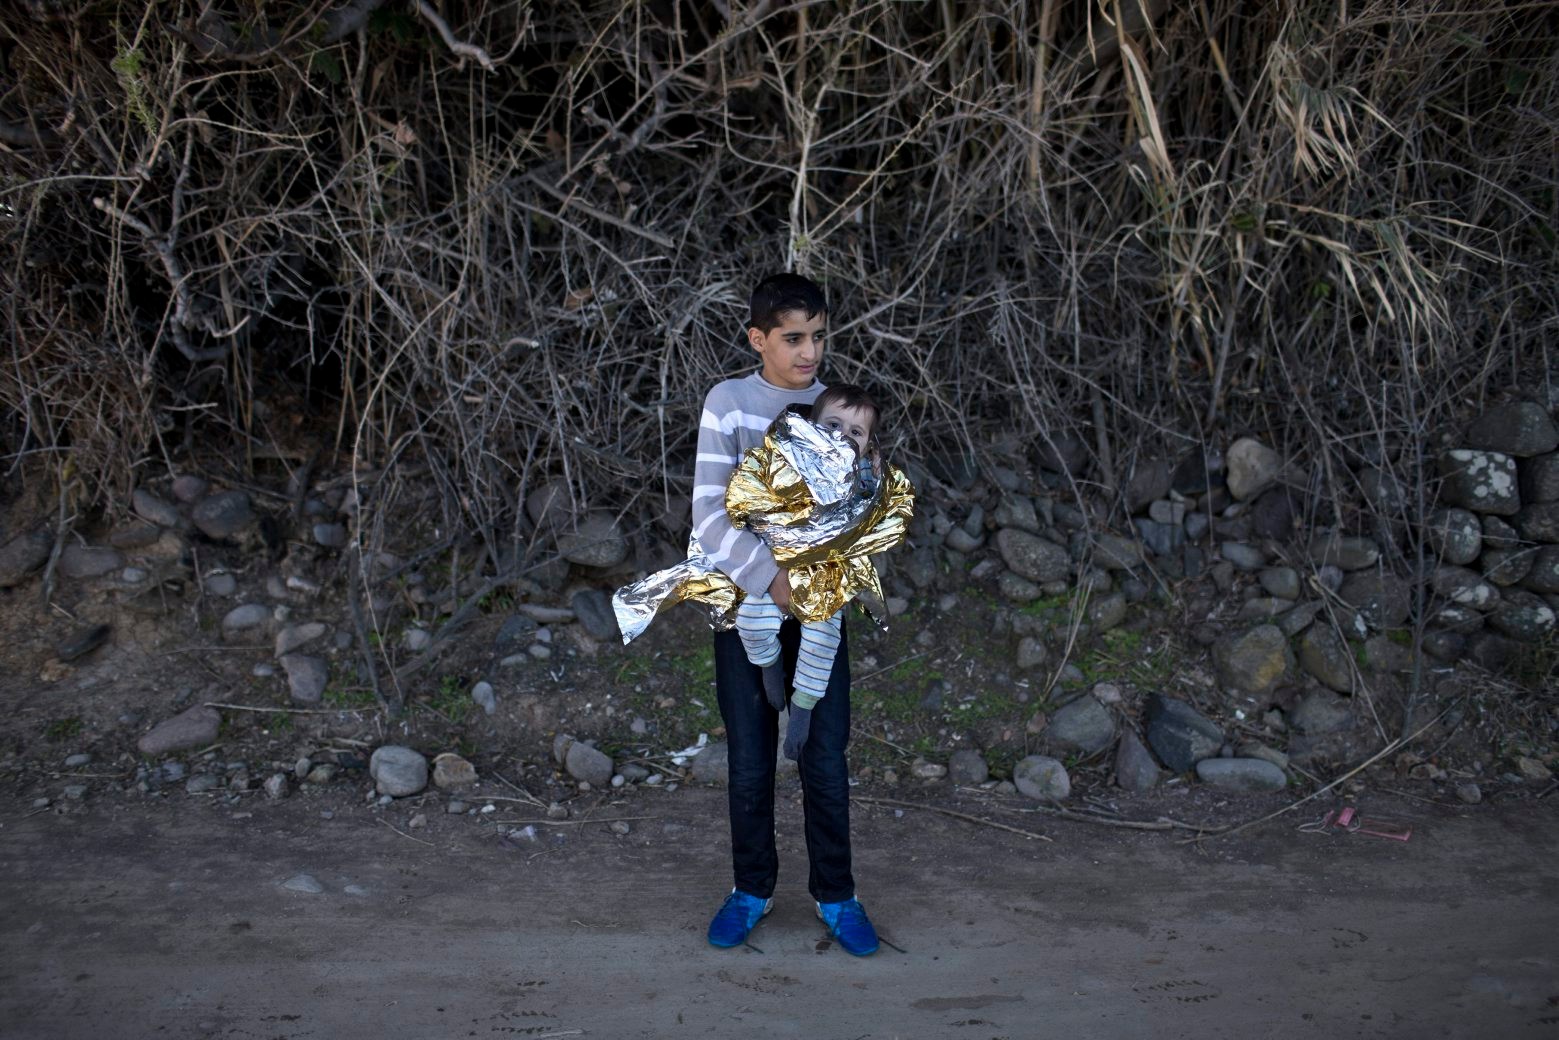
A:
{"x":779,"y":589}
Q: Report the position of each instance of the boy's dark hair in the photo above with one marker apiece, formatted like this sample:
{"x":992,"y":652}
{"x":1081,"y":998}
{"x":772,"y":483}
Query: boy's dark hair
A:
{"x":848,"y":395}
{"x":780,"y":293}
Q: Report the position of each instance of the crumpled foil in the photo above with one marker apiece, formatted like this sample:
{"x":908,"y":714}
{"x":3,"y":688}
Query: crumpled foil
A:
{"x":798,"y":491}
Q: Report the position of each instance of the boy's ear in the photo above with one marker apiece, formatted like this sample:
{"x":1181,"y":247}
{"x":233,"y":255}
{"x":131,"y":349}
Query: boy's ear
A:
{"x":754,"y":337}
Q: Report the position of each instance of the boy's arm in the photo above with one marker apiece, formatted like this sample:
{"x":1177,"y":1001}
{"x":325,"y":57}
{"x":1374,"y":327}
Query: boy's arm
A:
{"x":740,"y":555}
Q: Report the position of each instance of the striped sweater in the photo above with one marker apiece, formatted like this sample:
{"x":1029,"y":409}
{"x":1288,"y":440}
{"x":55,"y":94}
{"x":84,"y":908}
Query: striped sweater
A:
{"x":737,"y":412}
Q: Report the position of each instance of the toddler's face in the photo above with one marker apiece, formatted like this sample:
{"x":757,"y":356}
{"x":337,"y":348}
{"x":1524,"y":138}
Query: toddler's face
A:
{"x":854,"y":423}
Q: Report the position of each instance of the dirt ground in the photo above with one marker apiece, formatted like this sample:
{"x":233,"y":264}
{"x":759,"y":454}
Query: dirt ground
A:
{"x":169,"y":920}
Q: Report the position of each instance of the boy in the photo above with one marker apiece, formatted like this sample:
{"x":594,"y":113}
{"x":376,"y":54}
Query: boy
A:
{"x":786,"y":329}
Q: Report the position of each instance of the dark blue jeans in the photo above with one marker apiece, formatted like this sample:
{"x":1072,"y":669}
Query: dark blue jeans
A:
{"x":752,"y":734}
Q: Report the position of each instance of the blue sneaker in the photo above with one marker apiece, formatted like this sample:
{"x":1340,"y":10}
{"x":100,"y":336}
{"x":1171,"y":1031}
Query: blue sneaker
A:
{"x":850,"y":925}
{"x":736,"y":917}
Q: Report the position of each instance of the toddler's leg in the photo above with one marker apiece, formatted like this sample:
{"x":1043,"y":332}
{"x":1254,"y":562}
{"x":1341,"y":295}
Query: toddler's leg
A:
{"x":815,"y":659}
{"x":758,"y":620}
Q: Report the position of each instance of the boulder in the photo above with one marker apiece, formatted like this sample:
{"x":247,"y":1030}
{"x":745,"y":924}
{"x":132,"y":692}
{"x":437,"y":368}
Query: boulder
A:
{"x":22,"y":555}
{"x":1017,"y":512}
{"x":1135,"y":769}
{"x":149,"y":506}
{"x":1539,"y":478}
{"x":1249,"y":558}
{"x":1042,"y":778}
{"x":1251,"y":468}
{"x":1455,"y":535}
{"x":306,"y":677}
{"x":713,"y":764}
{"x":192,"y":728}
{"x":1115,"y":553}
{"x":1273,"y":513}
{"x":595,"y":541}
{"x":1543,"y":576}
{"x":1084,"y":724}
{"x":1017,"y":589}
{"x":223,"y":515}
{"x":451,"y":772}
{"x":1521,"y":429}
{"x":1253,"y":661}
{"x":398,"y":771}
{"x":1347,"y":552}
{"x":1179,"y":734}
{"x":1281,"y":582}
{"x":1241,"y":774}
{"x":1321,"y":711}
{"x":1538,"y":522}
{"x":1523,"y":616}
{"x":593,"y":608}
{"x":1508,"y":566}
{"x":1150,"y":479}
{"x":1324,"y":655}
{"x":89,"y":561}
{"x":1032,"y":653}
{"x":1106,"y":612}
{"x":967,"y":767}
{"x":1464,"y":587}
{"x":1498,"y":534}
{"x":590,"y":765}
{"x":1061,"y":452}
{"x":549,"y":505}
{"x":1032,"y":557}
{"x":1482,"y":481}
{"x":1382,"y":600}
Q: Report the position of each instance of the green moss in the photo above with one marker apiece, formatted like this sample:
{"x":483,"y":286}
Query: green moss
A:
{"x":62,"y":729}
{"x":349,"y":697}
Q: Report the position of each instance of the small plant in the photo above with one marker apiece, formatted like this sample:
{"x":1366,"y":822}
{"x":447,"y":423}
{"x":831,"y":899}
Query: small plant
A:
{"x":62,"y":729}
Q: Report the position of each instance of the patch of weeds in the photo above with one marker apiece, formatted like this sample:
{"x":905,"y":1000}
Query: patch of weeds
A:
{"x":349,"y":697}
{"x":449,"y":699}
{"x":62,"y":729}
{"x":1000,"y":761}
{"x":279,"y":722}
{"x":1123,"y":653}
{"x":1051,"y":607}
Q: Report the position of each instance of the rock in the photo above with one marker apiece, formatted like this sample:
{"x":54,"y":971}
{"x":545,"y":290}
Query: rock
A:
{"x":1241,"y":774}
{"x":1385,"y":655}
{"x":1532,"y":769}
{"x":1245,"y":557}
{"x":1482,"y":481}
{"x":1445,"y":646}
{"x":1032,"y":557}
{"x":1324,"y":655}
{"x":89,"y":561}
{"x":1060,"y":452}
{"x":1538,"y":522}
{"x":1084,"y":724}
{"x":595,"y":541}
{"x":189,"y":488}
{"x":205,"y":783}
{"x":1273,"y":513}
{"x":1539,"y":479}
{"x":1115,"y":553}
{"x":1298,"y":618}
{"x":1522,"y":616}
{"x":1032,"y":653}
{"x":135,"y":536}
{"x":583,"y":762}
{"x":1106,"y":612}
{"x":1178,"y":734}
{"x":1505,"y":567}
{"x":398,"y":771}
{"x":967,"y":767}
{"x":1498,"y":534}
{"x":306,"y":678}
{"x":1382,"y":600}
{"x":1454,"y":535}
{"x":451,"y":772}
{"x":1321,"y":711}
{"x":1135,"y":769}
{"x":1150,"y":479}
{"x":927,"y":770}
{"x":295,"y":637}
{"x":22,"y":555}
{"x":483,"y":695}
{"x":1281,"y":582}
{"x":223,"y":515}
{"x":1521,"y":429}
{"x":1017,"y":590}
{"x":304,"y":883}
{"x":1464,"y":587}
{"x":593,"y":608}
{"x":1469,"y":792}
{"x":82,"y":643}
{"x":1251,"y":467}
{"x":1252,"y":749}
{"x":1543,"y":575}
{"x":1382,"y":491}
{"x":1492,"y":651}
{"x":1019,"y":513}
{"x":919,"y":566}
{"x":1042,"y":778}
{"x":76,"y":761}
{"x":1347,"y":552}
{"x":220,"y":584}
{"x":549,"y":505}
{"x":1198,"y":472}
{"x":1197,"y":525}
{"x":191,"y":728}
{"x":150,"y":507}
{"x":1253,"y":661}
{"x":1164,"y":511}
{"x":331,"y":536}
{"x":242,"y":619}
{"x":1453,"y":617}
{"x":276,"y":787}
{"x":417,"y":639}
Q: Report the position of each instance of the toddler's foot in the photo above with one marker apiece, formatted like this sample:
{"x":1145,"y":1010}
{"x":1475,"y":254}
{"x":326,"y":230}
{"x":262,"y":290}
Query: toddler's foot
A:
{"x":774,"y":685}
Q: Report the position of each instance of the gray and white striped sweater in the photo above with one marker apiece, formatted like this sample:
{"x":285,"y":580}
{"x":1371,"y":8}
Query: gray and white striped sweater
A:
{"x":736,"y":414}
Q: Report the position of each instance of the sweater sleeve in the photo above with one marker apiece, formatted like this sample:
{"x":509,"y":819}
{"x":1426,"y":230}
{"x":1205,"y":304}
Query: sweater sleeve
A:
{"x":740,"y":555}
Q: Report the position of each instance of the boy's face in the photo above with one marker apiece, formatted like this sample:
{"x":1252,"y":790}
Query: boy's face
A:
{"x":792,"y":351}
{"x":854,"y":423}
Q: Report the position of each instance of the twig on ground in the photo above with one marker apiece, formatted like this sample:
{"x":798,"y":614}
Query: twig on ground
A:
{"x":403,"y":834}
{"x":896,"y":803}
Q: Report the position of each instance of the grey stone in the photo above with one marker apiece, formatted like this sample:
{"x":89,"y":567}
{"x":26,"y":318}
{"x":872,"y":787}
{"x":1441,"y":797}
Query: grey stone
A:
{"x":1095,"y":581}
{"x":330,"y":536}
{"x":1469,"y":792}
{"x":1544,"y":573}
{"x":1032,"y":653}
{"x":516,"y":631}
{"x":1222,"y":574}
{"x":1264,"y":608}
{"x":1455,"y":535}
{"x":1004,"y":477}
{"x":1538,"y":522}
{"x":484,"y":697}
{"x":713,"y":764}
{"x":205,"y":783}
{"x":1241,"y":774}
{"x":223,"y":515}
{"x":149,"y":506}
{"x":1069,"y":517}
{"x":588,"y":764}
{"x":1324,"y":655}
{"x":1245,"y":557}
{"x":188,"y":488}
{"x":1197,"y":526}
{"x":276,"y":787}
{"x":1453,"y":617}
{"x":136,"y":536}
{"x":593,"y":608}
{"x":296,"y":637}
{"x":1106,"y":612}
{"x":1384,"y":655}
{"x":1017,"y":512}
{"x":1254,"y":660}
{"x":1382,"y":491}
{"x":919,"y":566}
{"x":1498,"y":534}
{"x":22,"y":555}
{"x":1134,"y":589}
{"x":1161,"y":538}
{"x":1031,"y":557}
{"x":1445,"y":646}
{"x":1539,"y":479}
{"x":549,"y":505}
{"x":1060,"y":452}
{"x":1282,"y":582}
{"x":1330,"y":576}
{"x":1298,"y":618}
{"x":220,"y":583}
{"x":595,"y":541}
{"x":246,"y":617}
{"x":1180,"y":735}
{"x":1508,"y":566}
{"x":1197,"y":472}
{"x":1135,"y":769}
{"x":82,"y":642}
{"x":1321,"y":711}
{"x":1252,"y":749}
{"x":1150,"y":479}
{"x":1042,"y":778}
{"x":1522,"y":616}
{"x":417,"y":639}
{"x":398,"y":771}
{"x":962,"y":541}
{"x":1492,"y":651}
{"x":1273,"y":513}
{"x":306,"y":678}
{"x":304,"y":883}
{"x":1382,"y":600}
{"x":1482,"y":481}
{"x":76,"y":761}
{"x":191,"y":728}
{"x":451,"y":772}
{"x":1164,"y":511}
{"x":1347,"y":552}
{"x":967,"y":767}
{"x":1250,"y":468}
{"x":1084,"y":724}
{"x":1115,"y":553}
{"x":958,"y":470}
{"x":1464,"y":587}
{"x":1521,"y":429}
{"x":89,"y":561}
